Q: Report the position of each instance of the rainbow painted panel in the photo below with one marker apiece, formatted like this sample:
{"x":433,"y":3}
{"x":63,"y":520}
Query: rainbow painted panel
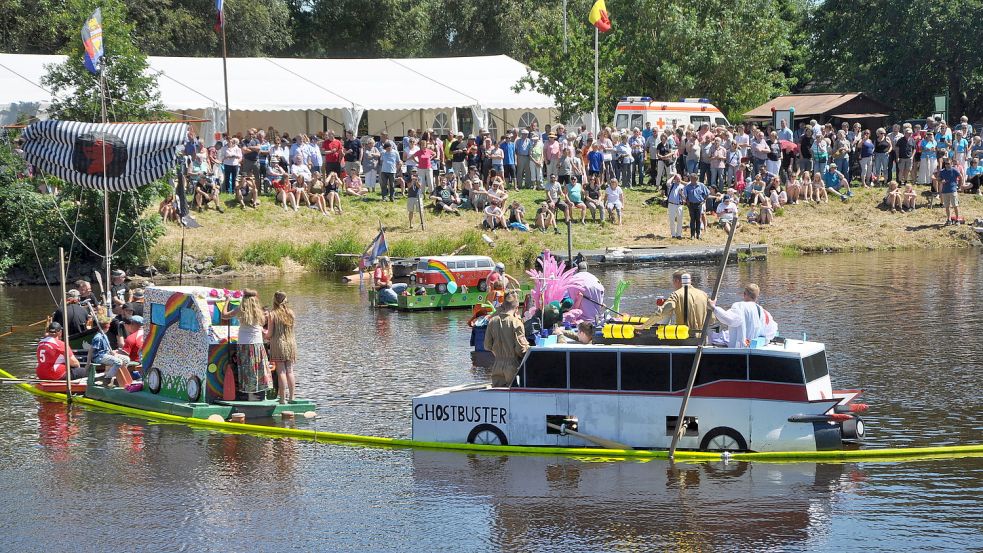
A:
{"x":442,"y":268}
{"x":218,"y":363}
{"x":155,"y":334}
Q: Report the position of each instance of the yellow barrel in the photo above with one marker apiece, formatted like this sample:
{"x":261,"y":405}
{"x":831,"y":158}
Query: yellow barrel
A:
{"x":672,"y":332}
{"x":618,"y":331}
{"x":634,"y":319}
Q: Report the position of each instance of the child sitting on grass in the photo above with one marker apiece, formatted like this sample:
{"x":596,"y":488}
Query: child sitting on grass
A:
{"x":545,"y":218}
{"x":894,"y":199}
{"x":517,"y":215}
{"x":908,"y":203}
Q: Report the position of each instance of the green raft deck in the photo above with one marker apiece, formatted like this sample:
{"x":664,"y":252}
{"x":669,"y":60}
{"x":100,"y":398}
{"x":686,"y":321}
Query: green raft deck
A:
{"x":147,"y":401}
{"x":439,"y":301}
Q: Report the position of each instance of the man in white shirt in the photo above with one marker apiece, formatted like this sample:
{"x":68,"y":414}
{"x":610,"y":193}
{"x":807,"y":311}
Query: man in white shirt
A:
{"x":746,"y":320}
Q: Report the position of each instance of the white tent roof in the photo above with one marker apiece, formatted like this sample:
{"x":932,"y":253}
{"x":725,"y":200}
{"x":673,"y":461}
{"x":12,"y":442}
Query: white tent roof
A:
{"x":288,"y":84}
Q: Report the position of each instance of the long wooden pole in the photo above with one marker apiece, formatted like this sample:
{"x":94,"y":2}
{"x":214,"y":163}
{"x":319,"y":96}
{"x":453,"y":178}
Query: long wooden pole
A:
{"x":105,"y":193}
{"x":225,"y":77}
{"x":64,"y":326}
{"x":680,"y":426}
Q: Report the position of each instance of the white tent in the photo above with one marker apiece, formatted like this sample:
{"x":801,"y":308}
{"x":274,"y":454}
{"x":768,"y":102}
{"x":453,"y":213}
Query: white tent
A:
{"x":308,"y":93}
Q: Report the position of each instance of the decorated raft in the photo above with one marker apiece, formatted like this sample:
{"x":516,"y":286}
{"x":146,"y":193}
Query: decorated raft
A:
{"x":429,"y":301}
{"x":187,"y":367}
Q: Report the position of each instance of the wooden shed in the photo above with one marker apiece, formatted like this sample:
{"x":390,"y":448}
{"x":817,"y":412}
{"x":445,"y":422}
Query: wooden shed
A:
{"x":828,"y":107}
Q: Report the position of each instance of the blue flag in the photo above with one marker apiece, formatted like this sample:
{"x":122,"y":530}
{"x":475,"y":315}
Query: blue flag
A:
{"x":92,"y":40}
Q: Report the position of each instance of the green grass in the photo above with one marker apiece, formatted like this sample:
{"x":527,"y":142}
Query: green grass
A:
{"x":270,"y":236}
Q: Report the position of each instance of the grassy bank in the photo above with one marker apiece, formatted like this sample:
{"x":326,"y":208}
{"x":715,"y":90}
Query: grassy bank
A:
{"x":269,"y":237}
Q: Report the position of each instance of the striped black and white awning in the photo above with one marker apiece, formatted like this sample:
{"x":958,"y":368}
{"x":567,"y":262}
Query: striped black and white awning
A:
{"x":105,"y":156}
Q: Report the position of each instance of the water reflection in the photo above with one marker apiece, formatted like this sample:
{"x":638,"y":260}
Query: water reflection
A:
{"x":628,"y":505}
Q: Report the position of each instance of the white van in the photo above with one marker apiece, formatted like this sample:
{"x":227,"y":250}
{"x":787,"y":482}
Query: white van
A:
{"x":635,"y":111}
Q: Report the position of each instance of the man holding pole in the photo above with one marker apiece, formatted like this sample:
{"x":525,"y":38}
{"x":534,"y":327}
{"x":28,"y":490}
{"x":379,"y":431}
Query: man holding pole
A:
{"x":687,"y":304}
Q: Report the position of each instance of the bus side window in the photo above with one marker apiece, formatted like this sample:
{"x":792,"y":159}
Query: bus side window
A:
{"x":815,"y":366}
{"x":720,"y":366}
{"x":546,"y":369}
{"x":769,"y":368}
{"x":698,"y":120}
{"x":472,"y":264}
{"x":645,"y":372}
{"x":452,"y":265}
{"x":682,"y":363}
{"x":594,"y":370}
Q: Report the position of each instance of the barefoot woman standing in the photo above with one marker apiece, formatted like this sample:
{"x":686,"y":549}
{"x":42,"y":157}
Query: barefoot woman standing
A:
{"x":283,"y":344}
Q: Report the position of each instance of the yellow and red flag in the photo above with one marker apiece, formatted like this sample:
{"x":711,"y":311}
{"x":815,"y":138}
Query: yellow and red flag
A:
{"x":599,"y":16}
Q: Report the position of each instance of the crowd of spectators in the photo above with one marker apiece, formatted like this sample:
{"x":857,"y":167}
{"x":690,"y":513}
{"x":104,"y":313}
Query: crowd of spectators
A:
{"x":697,"y":170}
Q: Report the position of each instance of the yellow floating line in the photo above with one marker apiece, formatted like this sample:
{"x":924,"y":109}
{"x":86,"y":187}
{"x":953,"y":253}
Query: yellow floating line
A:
{"x":588,"y":453}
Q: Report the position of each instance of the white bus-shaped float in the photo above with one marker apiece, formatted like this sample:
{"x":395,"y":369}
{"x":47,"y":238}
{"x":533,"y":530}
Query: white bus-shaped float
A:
{"x":777,"y":397}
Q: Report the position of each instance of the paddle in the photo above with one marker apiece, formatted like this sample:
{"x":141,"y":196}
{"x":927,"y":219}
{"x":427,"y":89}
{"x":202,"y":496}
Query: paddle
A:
{"x":605,"y":443}
{"x":680,"y":425}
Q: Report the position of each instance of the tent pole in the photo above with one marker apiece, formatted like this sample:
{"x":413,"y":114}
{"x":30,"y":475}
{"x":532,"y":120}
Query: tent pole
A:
{"x":225,"y":80}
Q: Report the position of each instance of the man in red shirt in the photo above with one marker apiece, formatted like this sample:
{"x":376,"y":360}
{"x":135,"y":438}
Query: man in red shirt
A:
{"x":332,"y":154}
{"x":133,"y":345}
{"x":51,"y":356}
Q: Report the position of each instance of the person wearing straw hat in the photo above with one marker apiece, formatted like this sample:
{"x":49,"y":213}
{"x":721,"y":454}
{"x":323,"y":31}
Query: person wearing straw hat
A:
{"x":51,"y":356}
{"x":78,"y":316}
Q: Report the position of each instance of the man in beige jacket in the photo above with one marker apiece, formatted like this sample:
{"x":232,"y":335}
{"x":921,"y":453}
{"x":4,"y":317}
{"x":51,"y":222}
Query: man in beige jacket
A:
{"x":687,"y":304}
{"x":506,"y":338}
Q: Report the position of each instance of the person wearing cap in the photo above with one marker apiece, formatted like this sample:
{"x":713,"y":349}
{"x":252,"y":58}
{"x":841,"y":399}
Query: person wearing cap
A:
{"x":117,"y":287}
{"x":505,"y":336}
{"x":136,"y":301}
{"x":537,"y":157}
{"x":727,"y":213}
{"x":78,"y":316}
{"x":51,"y":356}
{"x":133,"y":344}
{"x":686,"y":305}
{"x":459,"y":154}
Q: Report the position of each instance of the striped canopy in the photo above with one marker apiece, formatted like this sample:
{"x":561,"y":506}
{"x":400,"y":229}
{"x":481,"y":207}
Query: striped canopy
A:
{"x":106,"y":156}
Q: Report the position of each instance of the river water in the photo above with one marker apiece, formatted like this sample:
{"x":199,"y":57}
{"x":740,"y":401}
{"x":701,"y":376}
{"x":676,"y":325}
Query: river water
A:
{"x":903,"y":326}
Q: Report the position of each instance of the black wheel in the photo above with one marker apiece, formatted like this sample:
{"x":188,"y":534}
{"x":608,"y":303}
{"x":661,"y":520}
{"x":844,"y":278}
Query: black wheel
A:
{"x":487,"y":434}
{"x":723,"y":438}
{"x":412,"y":279}
{"x":441,"y":288}
{"x":193,"y":388}
{"x":483,"y":285}
{"x":853,"y":429}
{"x":153,"y":381}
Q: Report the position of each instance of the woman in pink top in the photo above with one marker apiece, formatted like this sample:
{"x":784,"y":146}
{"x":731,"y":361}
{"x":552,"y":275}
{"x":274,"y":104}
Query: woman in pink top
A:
{"x":424,"y":162}
{"x":231,"y":158}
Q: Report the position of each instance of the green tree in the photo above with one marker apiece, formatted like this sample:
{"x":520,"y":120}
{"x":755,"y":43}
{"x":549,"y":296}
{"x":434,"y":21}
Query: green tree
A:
{"x":736,"y":52}
{"x":131,"y":96}
{"x":903,"y":53}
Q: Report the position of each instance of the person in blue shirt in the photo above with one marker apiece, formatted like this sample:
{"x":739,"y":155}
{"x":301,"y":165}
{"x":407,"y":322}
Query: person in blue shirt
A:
{"x":784,"y":133}
{"x":104,"y":354}
{"x":950,"y":179}
{"x":676,"y":204}
{"x":595,"y":160}
{"x":833,"y":180}
{"x":974,"y":174}
{"x":523,"y":146}
{"x":508,"y":159}
{"x":389,"y":167}
{"x":696,"y":196}
{"x":929,"y":160}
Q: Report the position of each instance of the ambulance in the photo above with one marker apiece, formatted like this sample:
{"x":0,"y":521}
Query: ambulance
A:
{"x":635,"y":111}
